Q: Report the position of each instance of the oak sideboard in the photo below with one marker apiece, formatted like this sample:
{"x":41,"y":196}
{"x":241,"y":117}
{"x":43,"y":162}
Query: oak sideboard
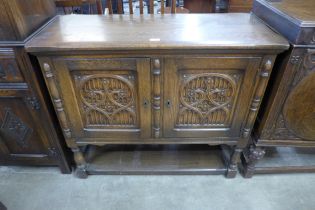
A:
{"x":285,"y":128}
{"x":176,"y":80}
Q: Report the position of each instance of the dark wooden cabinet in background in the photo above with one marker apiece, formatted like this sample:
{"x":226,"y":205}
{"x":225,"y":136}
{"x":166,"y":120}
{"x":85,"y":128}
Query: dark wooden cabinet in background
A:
{"x":28,"y":134}
{"x":240,"y":5}
{"x":169,"y":85}
{"x":288,"y":117}
{"x":200,"y":6}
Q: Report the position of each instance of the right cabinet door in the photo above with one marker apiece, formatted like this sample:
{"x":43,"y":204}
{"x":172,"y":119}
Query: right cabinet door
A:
{"x":207,"y":97}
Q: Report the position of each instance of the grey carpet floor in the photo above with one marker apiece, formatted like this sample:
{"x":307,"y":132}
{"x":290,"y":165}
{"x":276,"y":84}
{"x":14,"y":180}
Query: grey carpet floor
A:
{"x":27,"y":188}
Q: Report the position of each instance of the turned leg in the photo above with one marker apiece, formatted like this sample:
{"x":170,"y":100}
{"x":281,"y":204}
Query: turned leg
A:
{"x":62,"y":117}
{"x":250,"y":157}
{"x":80,"y":170}
{"x":233,"y":161}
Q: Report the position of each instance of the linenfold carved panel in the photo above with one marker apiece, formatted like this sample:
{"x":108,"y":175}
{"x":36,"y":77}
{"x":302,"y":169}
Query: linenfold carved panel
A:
{"x":108,"y":100}
{"x":206,"y":99}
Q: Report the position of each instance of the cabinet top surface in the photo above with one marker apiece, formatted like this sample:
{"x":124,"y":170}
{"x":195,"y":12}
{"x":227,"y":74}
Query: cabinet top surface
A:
{"x":180,"y":31}
{"x":302,"y":11}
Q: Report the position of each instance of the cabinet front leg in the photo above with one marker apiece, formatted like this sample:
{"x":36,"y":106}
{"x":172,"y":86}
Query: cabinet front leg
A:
{"x":249,"y":160}
{"x":80,"y":170}
{"x":62,"y":117}
{"x":233,"y":161}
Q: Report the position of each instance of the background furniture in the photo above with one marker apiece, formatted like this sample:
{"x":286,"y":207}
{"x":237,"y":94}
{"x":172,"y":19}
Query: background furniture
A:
{"x":150,"y":5}
{"x":119,"y":6}
{"x":240,"y":5}
{"x":27,"y":131}
{"x":200,"y":6}
{"x":171,"y":85}
{"x":288,"y":117}
{"x":77,"y":6}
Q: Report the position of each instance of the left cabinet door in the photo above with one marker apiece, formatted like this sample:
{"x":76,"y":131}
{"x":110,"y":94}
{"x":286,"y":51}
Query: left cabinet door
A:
{"x":104,"y":99}
{"x":21,"y":138}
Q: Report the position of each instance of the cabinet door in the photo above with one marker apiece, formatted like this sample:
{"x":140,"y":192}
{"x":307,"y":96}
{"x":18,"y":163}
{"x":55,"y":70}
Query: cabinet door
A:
{"x":21,"y":137}
{"x":290,"y":112}
{"x":299,"y":108}
{"x":105,"y":98}
{"x":207,"y":97}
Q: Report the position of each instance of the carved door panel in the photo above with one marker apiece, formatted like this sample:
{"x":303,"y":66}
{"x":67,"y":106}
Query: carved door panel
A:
{"x":291,"y":113}
{"x":207,"y":97}
{"x":299,"y":108}
{"x":19,"y":136}
{"x":105,"y":98}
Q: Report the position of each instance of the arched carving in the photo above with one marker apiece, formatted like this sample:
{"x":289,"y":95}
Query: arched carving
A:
{"x":108,"y":100}
{"x":206,"y":99}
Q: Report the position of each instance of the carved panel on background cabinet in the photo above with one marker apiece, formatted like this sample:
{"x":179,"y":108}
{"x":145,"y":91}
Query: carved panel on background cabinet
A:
{"x":279,"y":131}
{"x":9,"y":70}
{"x":206,"y":99}
{"x":299,"y":108}
{"x":107,"y":100}
{"x":307,"y":67}
{"x":297,"y":118}
{"x":33,"y":102}
{"x":295,"y":59}
{"x":14,"y":127}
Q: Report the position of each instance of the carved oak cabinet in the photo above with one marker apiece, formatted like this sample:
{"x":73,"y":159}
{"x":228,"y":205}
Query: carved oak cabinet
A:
{"x":164,"y":79}
{"x":288,"y":117}
{"x":27,"y":133}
